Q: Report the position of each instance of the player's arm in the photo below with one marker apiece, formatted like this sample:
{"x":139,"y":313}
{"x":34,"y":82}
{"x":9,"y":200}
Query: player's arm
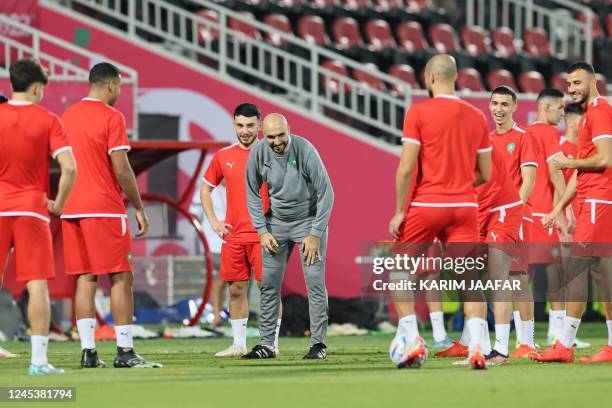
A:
{"x":127,"y":180}
{"x":528,"y":174}
{"x":67,"y":178}
{"x":599,"y":161}
{"x":483,"y":167}
{"x":564,"y":201}
{"x":220,"y":227}
{"x":403,"y":183}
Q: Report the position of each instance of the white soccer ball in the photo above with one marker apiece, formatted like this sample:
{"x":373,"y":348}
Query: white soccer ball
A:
{"x":400,"y":352}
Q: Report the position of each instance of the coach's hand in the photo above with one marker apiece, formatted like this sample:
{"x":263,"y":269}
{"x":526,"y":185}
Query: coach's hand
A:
{"x":220,"y":228}
{"x":143,"y":222}
{"x":395,"y":224}
{"x":269,"y":243}
{"x":311,"y":249}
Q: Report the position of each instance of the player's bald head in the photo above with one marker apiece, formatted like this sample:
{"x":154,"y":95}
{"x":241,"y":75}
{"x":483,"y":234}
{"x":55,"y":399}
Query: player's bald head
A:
{"x":274,"y":122}
{"x":443,"y":67}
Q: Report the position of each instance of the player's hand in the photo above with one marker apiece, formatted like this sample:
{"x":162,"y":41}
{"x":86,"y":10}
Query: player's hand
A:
{"x":311,"y":249}
{"x":395,"y":224}
{"x":53,"y":208}
{"x":560,"y":162}
{"x":269,"y":243}
{"x":548,"y":220}
{"x":571,"y":220}
{"x":220,"y":228}
{"x":143,"y":222}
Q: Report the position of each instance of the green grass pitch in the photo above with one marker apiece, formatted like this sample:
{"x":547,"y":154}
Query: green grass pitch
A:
{"x":357,"y":373}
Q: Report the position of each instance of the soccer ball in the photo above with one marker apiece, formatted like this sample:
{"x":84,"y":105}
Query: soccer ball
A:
{"x":404,"y":355}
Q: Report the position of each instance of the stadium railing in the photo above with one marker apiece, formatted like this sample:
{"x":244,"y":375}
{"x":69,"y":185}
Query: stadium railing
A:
{"x":568,"y":37}
{"x":66,"y":62}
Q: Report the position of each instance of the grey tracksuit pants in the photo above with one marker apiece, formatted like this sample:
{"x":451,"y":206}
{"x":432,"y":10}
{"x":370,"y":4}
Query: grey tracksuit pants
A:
{"x":288,"y":234}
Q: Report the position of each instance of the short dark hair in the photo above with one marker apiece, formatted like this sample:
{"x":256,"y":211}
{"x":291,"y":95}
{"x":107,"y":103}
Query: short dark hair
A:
{"x":581,"y":65}
{"x":505,"y":90}
{"x":574,"y":109}
{"x":3,"y":99}
{"x":103,"y":72}
{"x":24,"y":73}
{"x":550,"y":93}
{"x":248,"y":110}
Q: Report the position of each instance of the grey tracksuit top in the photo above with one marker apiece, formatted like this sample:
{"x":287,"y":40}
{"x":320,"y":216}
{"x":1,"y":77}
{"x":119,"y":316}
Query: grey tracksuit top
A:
{"x":298,"y":185}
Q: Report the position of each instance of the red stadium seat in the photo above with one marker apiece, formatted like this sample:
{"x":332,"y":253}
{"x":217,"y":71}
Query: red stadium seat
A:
{"x":418,"y":5}
{"x":532,"y":82}
{"x":312,"y":29}
{"x":609,"y":24}
{"x":207,"y":33}
{"x":558,"y":81}
{"x":601,"y":85}
{"x":411,"y":37}
{"x":404,"y":73}
{"x":503,"y":42}
{"x":321,"y":4}
{"x":332,"y":84}
{"x":475,"y":41}
{"x":597,"y":30}
{"x":365,"y":78}
{"x":379,"y":35}
{"x":346,"y":33}
{"x":245,"y":28}
{"x":389,"y":5}
{"x":357,"y":4}
{"x":443,"y":38}
{"x":281,"y":23}
{"x":501,"y":77}
{"x":536,"y":42}
{"x":468,"y":79}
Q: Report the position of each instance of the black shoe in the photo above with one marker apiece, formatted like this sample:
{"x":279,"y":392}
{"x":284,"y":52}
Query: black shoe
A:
{"x":316,"y":352}
{"x":259,"y":352}
{"x":127,"y":358}
{"x":89,"y":359}
{"x":495,"y":358}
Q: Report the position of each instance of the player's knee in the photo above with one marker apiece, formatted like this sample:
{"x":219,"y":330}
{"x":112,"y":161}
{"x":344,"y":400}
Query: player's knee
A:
{"x":237,"y":290}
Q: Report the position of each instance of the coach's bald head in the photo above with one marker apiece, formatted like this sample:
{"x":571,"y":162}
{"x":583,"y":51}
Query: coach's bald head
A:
{"x":440,"y":74}
{"x":276,"y":132}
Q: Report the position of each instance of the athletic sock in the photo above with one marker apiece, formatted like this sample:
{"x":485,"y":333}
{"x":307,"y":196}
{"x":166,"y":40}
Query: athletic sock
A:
{"x":476,"y":328}
{"x":239,"y":331}
{"x":124,"y":336}
{"x":276,"y":333}
{"x":40,"y":345}
{"x":407,"y":326}
{"x":555,"y":323}
{"x":87,"y":332}
{"x":437,"y":324}
{"x":609,"y":323}
{"x":465,"y":335}
{"x":517,"y":325}
{"x":486,"y":339}
{"x":502,"y":337}
{"x":570,"y":328}
{"x":527,"y":333}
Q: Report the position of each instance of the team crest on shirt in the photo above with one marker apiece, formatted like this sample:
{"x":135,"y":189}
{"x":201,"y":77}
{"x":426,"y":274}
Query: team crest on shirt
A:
{"x":511,"y":147}
{"x":293,"y":161}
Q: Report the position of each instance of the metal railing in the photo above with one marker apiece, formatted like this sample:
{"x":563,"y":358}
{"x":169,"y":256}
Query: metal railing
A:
{"x":568,"y":37}
{"x":66,"y":62}
{"x":292,"y":68}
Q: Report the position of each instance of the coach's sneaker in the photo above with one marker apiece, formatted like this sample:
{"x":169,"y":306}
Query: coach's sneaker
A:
{"x":259,"y":352}
{"x":316,"y":352}
{"x":603,"y":356}
{"x":477,"y":360}
{"x":127,"y":358}
{"x":495,"y":358}
{"x":523,"y":351}
{"x":89,"y":359}
{"x":555,"y":354}
{"x":456,"y":349}
{"x":4,"y":353}
{"x":46,"y":369}
{"x":232,"y":351}
{"x":442,"y":345}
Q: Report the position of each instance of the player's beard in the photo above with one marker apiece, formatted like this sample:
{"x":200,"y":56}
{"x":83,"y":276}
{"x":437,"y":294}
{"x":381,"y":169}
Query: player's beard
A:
{"x":248,"y":143}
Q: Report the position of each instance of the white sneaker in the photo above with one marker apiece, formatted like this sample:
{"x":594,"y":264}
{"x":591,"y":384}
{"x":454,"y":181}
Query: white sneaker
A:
{"x":6,"y":354}
{"x":232,"y":351}
{"x":581,"y":344}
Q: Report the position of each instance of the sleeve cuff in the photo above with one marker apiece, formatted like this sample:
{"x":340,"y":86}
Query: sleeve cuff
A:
{"x":60,"y":151}
{"x":316,"y":232}
{"x":209,"y":183}
{"x":114,"y":149}
{"x":262,"y":230}
{"x":411,"y":140}
{"x":485,"y":150}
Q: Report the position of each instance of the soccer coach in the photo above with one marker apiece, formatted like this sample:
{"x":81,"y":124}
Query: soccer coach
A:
{"x":301,"y":199}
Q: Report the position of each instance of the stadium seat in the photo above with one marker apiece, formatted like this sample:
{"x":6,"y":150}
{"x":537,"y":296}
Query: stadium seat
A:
{"x":503,"y":42}
{"x":468,"y":79}
{"x":312,"y":29}
{"x":281,"y":23}
{"x":558,"y":81}
{"x":378,"y":34}
{"x":475,"y":41}
{"x":501,"y":77}
{"x":532,"y":82}
{"x":419,"y":5}
{"x":207,"y":34}
{"x":536,"y":42}
{"x":330,"y":84}
{"x":443,"y":38}
{"x":365,"y":78}
{"x":357,"y":4}
{"x":346,"y":33}
{"x":404,"y":73}
{"x":609,"y":24}
{"x":601,"y":84}
{"x":245,"y":28}
{"x":411,"y":37}
{"x":597,"y":30}
{"x":388,"y":5}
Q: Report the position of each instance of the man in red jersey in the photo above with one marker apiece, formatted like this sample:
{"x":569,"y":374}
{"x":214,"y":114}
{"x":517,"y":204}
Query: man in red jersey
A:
{"x":592,"y":182}
{"x":519,"y":151}
{"x":94,"y":223}
{"x":241,"y":255}
{"x":447,"y":138}
{"x":569,"y":147}
{"x":29,"y":135}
